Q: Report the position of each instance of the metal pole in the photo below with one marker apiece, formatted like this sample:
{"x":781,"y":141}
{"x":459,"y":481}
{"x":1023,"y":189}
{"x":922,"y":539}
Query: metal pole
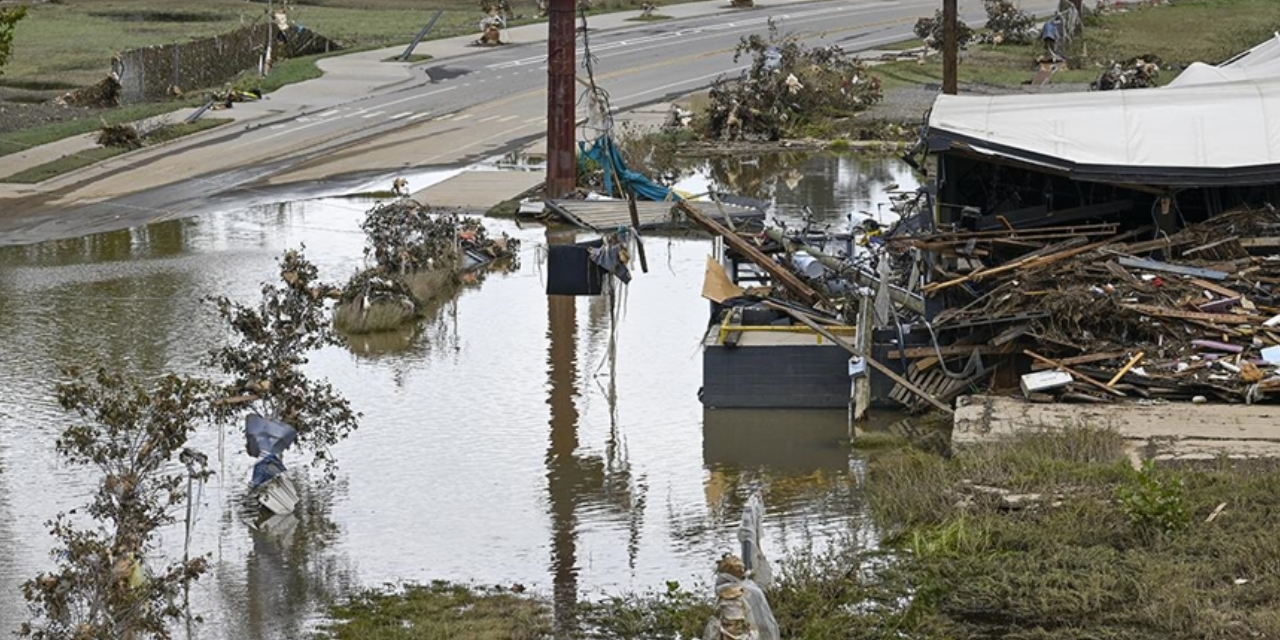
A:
{"x":421,"y":34}
{"x":561,"y":172}
{"x":950,"y":48}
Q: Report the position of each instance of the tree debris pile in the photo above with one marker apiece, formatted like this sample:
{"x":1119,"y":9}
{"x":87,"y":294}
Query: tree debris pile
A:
{"x":417,"y":251}
{"x":787,"y":86}
{"x":930,"y":30}
{"x":124,"y":136}
{"x":1006,"y":24}
{"x":1190,"y":316}
{"x":1136,"y":73}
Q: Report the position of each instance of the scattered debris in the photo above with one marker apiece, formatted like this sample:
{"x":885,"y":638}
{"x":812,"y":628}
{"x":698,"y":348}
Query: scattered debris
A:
{"x":787,"y":86}
{"x":124,"y":136}
{"x":1136,"y":73}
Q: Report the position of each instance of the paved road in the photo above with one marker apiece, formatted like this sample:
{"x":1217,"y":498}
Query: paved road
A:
{"x":450,"y":112}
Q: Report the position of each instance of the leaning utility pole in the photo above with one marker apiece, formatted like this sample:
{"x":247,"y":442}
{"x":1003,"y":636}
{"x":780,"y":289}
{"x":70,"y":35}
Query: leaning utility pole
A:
{"x":950,"y":47}
{"x":561,"y":170}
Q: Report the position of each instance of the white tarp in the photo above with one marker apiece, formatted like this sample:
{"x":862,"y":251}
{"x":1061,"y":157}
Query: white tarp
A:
{"x":1218,"y":118}
{"x":1212,"y":126}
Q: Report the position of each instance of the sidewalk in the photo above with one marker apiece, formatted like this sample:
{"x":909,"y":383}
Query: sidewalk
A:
{"x":349,"y":78}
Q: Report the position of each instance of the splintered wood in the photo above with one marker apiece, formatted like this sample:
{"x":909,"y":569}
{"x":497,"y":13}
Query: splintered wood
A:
{"x":1188,"y":316}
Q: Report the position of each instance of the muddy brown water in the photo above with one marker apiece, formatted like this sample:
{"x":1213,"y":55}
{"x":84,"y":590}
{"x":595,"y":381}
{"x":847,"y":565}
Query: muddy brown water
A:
{"x":494,"y":448}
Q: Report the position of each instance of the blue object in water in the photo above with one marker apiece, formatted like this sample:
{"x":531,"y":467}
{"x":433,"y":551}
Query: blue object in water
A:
{"x":605,"y":153}
{"x":267,"y":468}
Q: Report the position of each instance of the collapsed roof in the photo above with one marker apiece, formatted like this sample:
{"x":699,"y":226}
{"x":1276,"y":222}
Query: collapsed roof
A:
{"x":1218,"y":126}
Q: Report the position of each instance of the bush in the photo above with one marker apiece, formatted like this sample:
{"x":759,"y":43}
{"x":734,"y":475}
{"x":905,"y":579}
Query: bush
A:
{"x":930,"y":30}
{"x":1156,"y":501}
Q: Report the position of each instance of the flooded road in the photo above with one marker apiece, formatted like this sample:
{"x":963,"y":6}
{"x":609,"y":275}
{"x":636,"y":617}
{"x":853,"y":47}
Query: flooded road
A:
{"x":494,"y":445}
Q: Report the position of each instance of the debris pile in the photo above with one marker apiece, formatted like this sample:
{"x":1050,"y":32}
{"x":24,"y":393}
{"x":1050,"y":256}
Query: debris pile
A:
{"x":124,"y":136}
{"x":1007,"y":24}
{"x":1136,"y":73}
{"x":787,"y":86}
{"x":417,"y":252}
{"x":930,"y":30}
{"x":1104,"y":315}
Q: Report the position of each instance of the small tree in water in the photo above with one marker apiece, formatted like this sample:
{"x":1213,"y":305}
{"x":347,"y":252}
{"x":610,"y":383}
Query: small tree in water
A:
{"x":265,"y":360}
{"x":103,"y":588}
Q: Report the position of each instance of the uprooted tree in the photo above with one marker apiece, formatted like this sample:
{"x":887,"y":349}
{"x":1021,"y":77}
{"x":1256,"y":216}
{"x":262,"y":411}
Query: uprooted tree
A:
{"x":264,"y":361}
{"x":106,"y":584}
{"x":787,"y":87}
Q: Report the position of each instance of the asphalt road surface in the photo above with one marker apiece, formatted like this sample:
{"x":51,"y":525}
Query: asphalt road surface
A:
{"x":454,"y":111}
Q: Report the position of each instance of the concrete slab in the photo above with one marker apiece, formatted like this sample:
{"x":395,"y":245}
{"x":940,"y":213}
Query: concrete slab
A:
{"x":1161,"y":430}
{"x":479,"y":190}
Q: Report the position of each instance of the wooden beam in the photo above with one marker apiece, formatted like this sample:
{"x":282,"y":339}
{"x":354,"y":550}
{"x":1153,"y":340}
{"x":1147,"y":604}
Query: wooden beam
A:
{"x":1217,"y":318}
{"x":889,"y":373}
{"x":912,"y":353}
{"x":1125,"y":369}
{"x":1086,"y":359}
{"x":1025,"y":263}
{"x":779,"y":273}
{"x":1076,"y":374}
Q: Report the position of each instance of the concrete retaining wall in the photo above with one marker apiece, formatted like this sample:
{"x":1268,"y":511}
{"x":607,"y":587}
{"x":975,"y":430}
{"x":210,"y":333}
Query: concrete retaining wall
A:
{"x":153,"y":73}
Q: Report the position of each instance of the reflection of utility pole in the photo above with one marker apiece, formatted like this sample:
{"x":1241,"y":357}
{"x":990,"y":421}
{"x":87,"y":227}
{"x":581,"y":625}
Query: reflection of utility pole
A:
{"x":562,"y":469}
{"x":561,"y":91}
{"x":950,"y":47}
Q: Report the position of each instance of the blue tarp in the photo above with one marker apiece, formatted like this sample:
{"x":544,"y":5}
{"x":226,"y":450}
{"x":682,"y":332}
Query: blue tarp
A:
{"x":267,"y":468}
{"x":603,"y":151}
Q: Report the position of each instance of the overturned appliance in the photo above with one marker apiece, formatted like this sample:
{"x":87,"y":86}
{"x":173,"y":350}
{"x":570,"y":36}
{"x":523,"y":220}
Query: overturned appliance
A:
{"x":267,"y":440}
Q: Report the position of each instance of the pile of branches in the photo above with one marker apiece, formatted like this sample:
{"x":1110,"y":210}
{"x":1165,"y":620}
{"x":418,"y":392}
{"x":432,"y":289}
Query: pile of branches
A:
{"x":1136,"y":73}
{"x":787,"y":86}
{"x":370,"y":287}
{"x":1007,"y":24}
{"x":930,"y":30}
{"x":405,"y":236}
{"x":124,"y":136}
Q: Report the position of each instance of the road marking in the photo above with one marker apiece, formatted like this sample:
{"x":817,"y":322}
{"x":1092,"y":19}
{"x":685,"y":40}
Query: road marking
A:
{"x":533,"y":120}
{"x":374,"y":114}
{"x":464,"y":116}
{"x":329,"y":113}
{"x":419,"y":96}
{"x":676,"y":84}
{"x":419,"y":115}
{"x":276,"y":126}
{"x":489,"y":119}
{"x":401,"y":115}
{"x":507,"y":118}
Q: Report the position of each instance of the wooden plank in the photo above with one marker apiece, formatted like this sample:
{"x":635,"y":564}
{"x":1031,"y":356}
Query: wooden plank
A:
{"x":1152,"y":265}
{"x":1079,"y":376}
{"x":889,"y":373}
{"x":1027,"y":263}
{"x":1218,"y":318}
{"x":1215,"y":288}
{"x":780,"y":274}
{"x":912,"y":353}
{"x":1125,"y":369}
{"x":862,"y":385}
{"x":1086,"y":359}
{"x":1260,"y":243}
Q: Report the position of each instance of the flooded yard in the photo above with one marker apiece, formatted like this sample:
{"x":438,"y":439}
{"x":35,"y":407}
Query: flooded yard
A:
{"x":495,"y":447}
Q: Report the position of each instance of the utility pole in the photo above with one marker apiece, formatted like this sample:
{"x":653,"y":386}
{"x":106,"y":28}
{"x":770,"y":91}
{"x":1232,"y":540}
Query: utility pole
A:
{"x":950,"y":48}
{"x":561,"y":91}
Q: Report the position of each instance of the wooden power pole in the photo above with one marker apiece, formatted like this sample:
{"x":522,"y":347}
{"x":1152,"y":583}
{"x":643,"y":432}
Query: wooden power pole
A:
{"x":561,"y":91}
{"x":950,"y":48}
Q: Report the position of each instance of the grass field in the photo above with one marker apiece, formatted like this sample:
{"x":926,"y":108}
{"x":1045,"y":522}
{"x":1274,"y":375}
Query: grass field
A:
{"x":1221,"y":29}
{"x":74,"y":41}
{"x":16,"y":141}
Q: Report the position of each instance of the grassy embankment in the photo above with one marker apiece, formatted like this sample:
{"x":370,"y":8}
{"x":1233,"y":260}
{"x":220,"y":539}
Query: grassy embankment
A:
{"x":1052,"y":535}
{"x":71,"y":162}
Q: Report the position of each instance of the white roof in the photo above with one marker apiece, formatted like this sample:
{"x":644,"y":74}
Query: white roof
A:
{"x":1220,"y":119}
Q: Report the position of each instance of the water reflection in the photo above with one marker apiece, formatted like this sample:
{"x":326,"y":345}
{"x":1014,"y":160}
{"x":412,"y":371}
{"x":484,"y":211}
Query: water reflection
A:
{"x":558,"y":443}
{"x":833,"y":187}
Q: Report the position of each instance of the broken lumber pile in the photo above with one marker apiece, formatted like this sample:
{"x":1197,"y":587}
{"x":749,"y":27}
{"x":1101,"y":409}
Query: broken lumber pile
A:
{"x":1189,"y":316}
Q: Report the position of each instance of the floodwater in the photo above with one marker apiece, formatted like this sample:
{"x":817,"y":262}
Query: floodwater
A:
{"x":495,"y":447}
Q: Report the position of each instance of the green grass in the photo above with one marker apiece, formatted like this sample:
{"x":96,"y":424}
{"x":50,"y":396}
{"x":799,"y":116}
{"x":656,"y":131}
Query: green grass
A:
{"x":62,"y":165}
{"x":439,"y":611}
{"x":86,"y":158}
{"x":16,"y":141}
{"x":1221,"y":28}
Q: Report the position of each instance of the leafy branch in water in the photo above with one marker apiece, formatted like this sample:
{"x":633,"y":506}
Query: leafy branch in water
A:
{"x":103,"y":586}
{"x":265,"y":360}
